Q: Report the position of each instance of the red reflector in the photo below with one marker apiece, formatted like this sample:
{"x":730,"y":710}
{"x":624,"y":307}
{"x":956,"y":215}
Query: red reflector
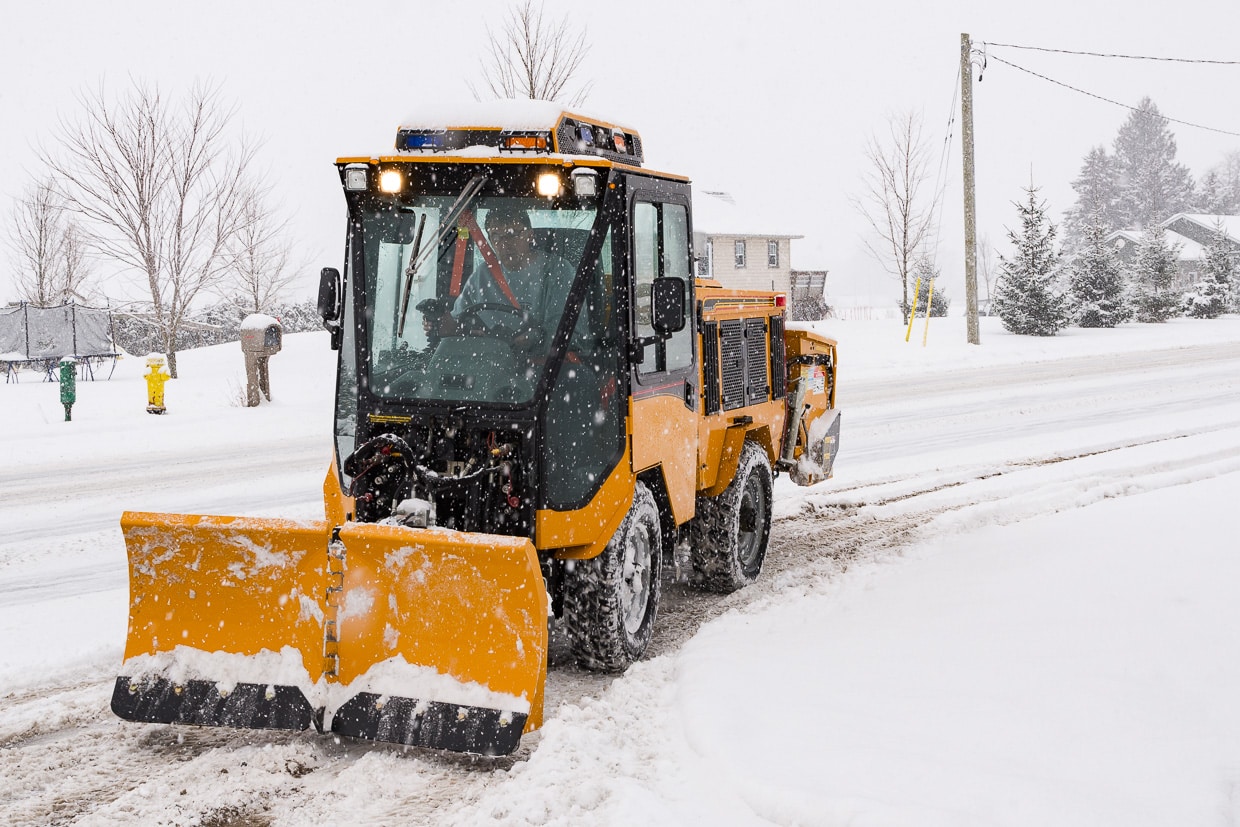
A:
{"x":781,"y":300}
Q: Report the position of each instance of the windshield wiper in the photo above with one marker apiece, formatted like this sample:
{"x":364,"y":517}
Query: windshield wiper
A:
{"x":446,"y":226}
{"x":409,"y":271}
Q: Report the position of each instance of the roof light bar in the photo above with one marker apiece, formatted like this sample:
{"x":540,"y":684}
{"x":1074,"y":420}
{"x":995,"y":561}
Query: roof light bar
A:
{"x":569,"y":135}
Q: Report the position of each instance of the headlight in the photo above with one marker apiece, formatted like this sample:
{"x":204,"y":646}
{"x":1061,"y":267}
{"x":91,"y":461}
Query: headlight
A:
{"x":391,"y":181}
{"x":549,"y":184}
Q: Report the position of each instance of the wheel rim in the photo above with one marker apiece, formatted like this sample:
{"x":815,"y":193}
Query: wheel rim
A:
{"x":635,"y":580}
{"x":752,"y":521}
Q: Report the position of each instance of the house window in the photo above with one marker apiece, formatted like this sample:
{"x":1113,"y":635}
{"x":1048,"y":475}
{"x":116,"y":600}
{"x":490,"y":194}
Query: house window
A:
{"x":772,"y":253}
{"x":740,"y":254}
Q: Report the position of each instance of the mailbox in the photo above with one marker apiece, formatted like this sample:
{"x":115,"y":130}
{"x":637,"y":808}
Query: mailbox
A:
{"x":261,"y":335}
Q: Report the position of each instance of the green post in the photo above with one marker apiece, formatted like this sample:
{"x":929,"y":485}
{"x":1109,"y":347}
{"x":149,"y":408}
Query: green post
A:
{"x":68,"y":385}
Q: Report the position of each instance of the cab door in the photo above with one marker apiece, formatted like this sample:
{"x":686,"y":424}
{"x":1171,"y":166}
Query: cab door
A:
{"x":664,"y":406}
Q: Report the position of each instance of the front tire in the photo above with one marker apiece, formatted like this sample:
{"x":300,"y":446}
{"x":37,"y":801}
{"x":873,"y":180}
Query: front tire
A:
{"x":730,"y":532}
{"x":610,"y":601}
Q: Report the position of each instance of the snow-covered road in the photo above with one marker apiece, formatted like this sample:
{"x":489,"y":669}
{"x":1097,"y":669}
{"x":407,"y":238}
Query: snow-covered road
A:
{"x":934,"y":451}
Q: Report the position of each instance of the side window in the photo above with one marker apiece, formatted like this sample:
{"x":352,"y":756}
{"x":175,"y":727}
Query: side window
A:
{"x":739,"y":248}
{"x":676,"y":265}
{"x":660,"y":248}
{"x":645,"y":270}
{"x":772,"y":253}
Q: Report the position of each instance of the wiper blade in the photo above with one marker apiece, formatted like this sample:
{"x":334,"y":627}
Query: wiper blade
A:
{"x":409,"y":272}
{"x":446,"y":226}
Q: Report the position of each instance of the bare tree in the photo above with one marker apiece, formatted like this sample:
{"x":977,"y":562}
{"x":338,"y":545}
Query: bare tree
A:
{"x":160,"y":190}
{"x":896,"y":200}
{"x":259,"y":257}
{"x":534,"y":58}
{"x":49,"y":256}
{"x":986,"y":264}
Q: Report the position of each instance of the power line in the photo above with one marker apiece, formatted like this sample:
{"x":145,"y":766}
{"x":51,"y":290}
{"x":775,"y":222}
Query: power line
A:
{"x":1114,"y":102}
{"x":940,"y":183}
{"x":1124,"y":57}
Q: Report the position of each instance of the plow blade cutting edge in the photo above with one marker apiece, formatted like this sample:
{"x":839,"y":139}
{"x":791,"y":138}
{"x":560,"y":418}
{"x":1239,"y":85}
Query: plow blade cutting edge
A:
{"x":427,"y":637}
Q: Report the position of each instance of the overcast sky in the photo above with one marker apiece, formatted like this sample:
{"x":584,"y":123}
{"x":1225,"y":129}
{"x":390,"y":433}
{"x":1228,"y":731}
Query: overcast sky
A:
{"x":772,"y":101}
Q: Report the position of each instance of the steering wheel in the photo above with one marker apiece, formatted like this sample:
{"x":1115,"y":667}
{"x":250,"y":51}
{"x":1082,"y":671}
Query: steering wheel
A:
{"x":470,"y":319}
{"x":524,"y":337}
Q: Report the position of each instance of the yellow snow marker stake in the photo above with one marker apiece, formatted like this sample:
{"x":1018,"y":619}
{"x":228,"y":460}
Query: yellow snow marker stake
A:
{"x":929,"y":303}
{"x":912,"y":313}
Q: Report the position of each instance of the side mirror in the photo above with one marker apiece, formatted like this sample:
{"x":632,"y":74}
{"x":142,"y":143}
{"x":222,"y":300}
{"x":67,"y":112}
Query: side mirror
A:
{"x":667,"y":303}
{"x":329,"y":295}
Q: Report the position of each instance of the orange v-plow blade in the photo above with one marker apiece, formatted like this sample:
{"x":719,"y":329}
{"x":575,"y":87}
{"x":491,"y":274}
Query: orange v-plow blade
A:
{"x":418,"y":636}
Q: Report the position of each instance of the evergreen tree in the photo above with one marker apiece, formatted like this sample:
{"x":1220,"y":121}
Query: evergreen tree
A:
{"x":1155,"y":299}
{"x":1219,"y":191}
{"x":1211,"y":196}
{"x":1026,"y":298}
{"x":1212,"y":296}
{"x":929,"y":274}
{"x":1097,"y":197}
{"x":1153,"y":186}
{"x":1097,"y":280}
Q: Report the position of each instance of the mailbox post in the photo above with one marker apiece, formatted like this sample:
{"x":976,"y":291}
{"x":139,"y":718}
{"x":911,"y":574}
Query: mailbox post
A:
{"x":261,"y":338}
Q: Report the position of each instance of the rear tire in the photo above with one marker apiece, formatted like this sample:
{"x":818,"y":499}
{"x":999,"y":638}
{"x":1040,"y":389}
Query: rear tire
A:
{"x":610,"y":601}
{"x":730,"y":532}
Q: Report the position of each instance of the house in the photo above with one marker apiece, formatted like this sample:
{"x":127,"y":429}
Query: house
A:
{"x":1190,"y":234}
{"x":731,"y":247}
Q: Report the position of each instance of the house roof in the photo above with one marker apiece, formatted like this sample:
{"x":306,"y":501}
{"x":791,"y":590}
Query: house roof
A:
{"x":1229,"y":223}
{"x":1188,"y":250}
{"x":716,"y":212}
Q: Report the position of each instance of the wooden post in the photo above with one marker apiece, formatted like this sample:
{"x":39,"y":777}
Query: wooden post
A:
{"x":970,"y":203}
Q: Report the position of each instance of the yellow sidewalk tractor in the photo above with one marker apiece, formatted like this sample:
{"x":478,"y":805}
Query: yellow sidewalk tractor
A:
{"x":537,"y":403}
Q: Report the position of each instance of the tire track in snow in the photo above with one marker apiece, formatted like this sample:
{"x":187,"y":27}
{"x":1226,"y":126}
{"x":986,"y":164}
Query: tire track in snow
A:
{"x":88,"y":768}
{"x":121,"y":771}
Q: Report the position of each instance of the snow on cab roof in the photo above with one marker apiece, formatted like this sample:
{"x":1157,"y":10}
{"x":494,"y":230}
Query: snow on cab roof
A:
{"x":509,"y":115}
{"x":522,"y":126}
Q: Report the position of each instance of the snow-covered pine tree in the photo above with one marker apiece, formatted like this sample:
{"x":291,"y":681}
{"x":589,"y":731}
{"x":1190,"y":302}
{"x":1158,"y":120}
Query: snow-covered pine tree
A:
{"x":1097,"y":280}
{"x":1153,"y":186}
{"x":1212,"y":296}
{"x":1026,"y":298}
{"x":1209,"y":196}
{"x":1219,"y":191}
{"x":927,"y":273}
{"x":1097,"y":194}
{"x":1154,"y":298}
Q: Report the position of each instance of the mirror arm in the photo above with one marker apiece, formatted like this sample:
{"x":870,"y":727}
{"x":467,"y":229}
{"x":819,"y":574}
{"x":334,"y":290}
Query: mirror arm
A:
{"x":637,"y":347}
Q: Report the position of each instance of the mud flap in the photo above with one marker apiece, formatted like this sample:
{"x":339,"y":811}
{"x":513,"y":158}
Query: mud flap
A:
{"x":416,"y":636}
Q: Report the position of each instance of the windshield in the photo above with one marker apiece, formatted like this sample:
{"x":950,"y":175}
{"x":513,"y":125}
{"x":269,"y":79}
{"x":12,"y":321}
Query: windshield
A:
{"x":465,"y":294}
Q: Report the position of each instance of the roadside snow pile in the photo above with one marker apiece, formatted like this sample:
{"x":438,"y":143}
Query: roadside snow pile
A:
{"x":871,"y":350}
{"x":1061,"y":673}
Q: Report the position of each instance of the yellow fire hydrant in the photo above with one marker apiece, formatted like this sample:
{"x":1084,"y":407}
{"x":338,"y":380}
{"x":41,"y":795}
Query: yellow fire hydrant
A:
{"x":155,"y":379}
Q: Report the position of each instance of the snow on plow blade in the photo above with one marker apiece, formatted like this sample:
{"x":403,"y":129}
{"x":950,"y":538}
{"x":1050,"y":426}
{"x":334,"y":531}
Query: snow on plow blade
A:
{"x":427,"y":637}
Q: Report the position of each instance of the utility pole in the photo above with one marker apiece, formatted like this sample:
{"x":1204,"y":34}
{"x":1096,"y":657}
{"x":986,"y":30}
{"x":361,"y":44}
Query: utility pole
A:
{"x":970,"y":202}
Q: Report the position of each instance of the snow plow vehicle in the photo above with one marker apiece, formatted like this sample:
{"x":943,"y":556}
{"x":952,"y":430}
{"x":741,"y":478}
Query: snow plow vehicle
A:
{"x":537,"y":404}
